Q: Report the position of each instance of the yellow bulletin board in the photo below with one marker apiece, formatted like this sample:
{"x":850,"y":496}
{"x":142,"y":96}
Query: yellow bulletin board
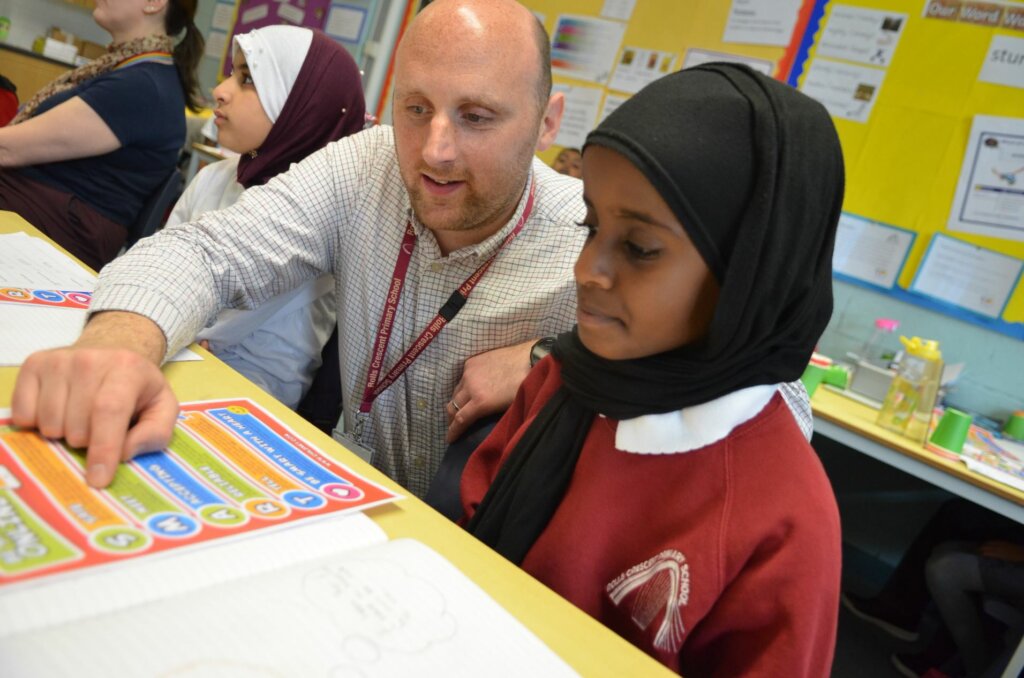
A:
{"x":664,"y":25}
{"x":906,"y":140}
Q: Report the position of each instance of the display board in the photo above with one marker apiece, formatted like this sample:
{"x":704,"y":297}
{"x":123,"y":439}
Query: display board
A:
{"x":603,"y":51}
{"x":928,"y":100}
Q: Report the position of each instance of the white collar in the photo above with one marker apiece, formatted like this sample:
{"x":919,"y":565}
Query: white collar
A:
{"x":692,"y":427}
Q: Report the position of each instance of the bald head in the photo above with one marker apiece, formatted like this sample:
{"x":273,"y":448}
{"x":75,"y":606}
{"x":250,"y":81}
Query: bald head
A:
{"x":491,"y":27}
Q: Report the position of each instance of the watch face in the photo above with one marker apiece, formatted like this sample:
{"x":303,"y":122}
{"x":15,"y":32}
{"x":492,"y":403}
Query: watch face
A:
{"x":541,"y":349}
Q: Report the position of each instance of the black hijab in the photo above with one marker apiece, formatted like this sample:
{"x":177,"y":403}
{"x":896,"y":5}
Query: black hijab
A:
{"x":753,"y":170}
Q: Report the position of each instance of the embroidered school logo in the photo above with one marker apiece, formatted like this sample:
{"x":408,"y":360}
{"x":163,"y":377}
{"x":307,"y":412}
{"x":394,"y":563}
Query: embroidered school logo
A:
{"x":661,"y":583}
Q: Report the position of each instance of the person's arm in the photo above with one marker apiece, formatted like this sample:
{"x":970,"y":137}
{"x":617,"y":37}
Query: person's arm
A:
{"x":489,"y":383}
{"x":105,"y":392}
{"x":67,"y":131}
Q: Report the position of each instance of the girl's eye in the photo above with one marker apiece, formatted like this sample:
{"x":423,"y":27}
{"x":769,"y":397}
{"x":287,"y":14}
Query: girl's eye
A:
{"x":247,"y":80}
{"x":591,"y":230}
{"x":637,"y":252}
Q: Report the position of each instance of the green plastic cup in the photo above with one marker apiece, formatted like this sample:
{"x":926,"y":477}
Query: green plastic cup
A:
{"x":813,"y":376}
{"x":1015,"y":426}
{"x":951,"y":432}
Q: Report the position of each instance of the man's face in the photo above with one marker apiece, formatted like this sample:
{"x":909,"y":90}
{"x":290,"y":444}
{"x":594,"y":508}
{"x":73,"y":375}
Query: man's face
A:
{"x":466,"y":125}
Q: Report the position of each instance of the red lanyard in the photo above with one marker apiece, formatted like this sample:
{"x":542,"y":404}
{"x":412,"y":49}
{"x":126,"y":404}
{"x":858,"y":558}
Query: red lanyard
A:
{"x":374,"y":384}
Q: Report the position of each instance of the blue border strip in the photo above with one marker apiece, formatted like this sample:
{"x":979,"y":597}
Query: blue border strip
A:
{"x":813,"y":22}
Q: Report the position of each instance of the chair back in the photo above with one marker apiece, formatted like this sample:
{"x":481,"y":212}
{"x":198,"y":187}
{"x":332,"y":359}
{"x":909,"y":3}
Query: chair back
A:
{"x":155,"y":210}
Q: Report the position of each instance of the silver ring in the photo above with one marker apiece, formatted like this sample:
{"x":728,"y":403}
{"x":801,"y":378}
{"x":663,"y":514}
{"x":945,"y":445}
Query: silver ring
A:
{"x":454,"y":405}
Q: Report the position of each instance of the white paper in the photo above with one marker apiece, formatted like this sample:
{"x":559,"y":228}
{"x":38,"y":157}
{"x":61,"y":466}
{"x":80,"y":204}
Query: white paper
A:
{"x":345,"y":23}
{"x":761,"y":22}
{"x":1004,"y":63}
{"x":637,"y":67}
{"x":255,"y":14}
{"x":867,"y":36}
{"x":291,"y":14}
{"x":32,"y":262}
{"x":989,"y":197}
{"x":216,"y":42}
{"x":968,"y":276}
{"x":223,"y":16}
{"x":696,"y":57}
{"x":60,"y":599}
{"x":581,"y":105}
{"x":848,"y":91}
{"x":618,"y":9}
{"x":27,"y":262}
{"x":870,"y":251}
{"x":584,"y":48}
{"x":395,"y":609}
{"x":611,"y":102}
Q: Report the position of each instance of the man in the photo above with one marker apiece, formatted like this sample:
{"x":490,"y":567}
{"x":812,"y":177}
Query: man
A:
{"x":403,"y":218}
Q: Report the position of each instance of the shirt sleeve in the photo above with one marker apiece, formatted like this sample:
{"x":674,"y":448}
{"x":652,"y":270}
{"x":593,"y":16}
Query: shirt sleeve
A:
{"x":130,"y":103}
{"x":272,"y":240}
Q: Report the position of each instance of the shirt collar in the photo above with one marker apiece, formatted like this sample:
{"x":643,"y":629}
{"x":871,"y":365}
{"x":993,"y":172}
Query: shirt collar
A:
{"x":694,"y":427}
{"x":485,"y":248}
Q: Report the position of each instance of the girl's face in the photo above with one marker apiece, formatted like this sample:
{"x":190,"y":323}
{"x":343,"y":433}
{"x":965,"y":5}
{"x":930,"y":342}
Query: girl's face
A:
{"x":242,"y":124}
{"x":642,"y":286}
{"x":570,"y":162}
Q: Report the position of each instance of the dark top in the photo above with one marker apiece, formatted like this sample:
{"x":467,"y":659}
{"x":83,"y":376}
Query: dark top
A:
{"x":144,"y":106}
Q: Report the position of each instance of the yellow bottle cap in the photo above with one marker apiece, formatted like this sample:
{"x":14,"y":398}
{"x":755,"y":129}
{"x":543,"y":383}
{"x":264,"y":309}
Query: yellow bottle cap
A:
{"x":927,"y":349}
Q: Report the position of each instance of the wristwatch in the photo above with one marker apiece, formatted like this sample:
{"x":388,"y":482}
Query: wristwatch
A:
{"x":541,"y":348}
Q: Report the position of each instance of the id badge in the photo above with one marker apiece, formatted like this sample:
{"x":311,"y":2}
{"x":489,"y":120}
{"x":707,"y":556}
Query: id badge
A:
{"x":351,"y":441}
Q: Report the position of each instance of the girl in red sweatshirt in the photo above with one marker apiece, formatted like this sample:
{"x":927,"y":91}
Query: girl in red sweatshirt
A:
{"x":649,"y":470}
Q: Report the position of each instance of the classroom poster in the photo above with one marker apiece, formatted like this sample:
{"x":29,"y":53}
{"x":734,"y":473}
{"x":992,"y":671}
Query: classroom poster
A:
{"x":231,"y":468}
{"x":761,"y":22}
{"x":638,"y":67}
{"x":989,"y":197}
{"x":584,"y":47}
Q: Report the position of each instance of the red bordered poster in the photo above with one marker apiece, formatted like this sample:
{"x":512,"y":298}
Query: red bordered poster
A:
{"x":231,"y":468}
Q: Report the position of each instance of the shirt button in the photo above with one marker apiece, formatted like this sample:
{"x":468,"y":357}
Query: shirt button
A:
{"x":436,"y":267}
{"x":420,"y":462}
{"x":421,"y":403}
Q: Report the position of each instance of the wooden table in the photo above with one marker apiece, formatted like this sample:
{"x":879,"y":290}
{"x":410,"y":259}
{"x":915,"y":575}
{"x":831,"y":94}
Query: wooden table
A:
{"x":587,"y":646}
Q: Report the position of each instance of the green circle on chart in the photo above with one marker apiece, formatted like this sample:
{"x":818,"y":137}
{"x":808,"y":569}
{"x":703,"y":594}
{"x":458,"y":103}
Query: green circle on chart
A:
{"x":120,"y":539}
{"x":223,"y":515}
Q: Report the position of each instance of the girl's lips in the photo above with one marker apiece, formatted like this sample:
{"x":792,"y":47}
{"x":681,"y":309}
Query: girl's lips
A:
{"x":589,"y":316}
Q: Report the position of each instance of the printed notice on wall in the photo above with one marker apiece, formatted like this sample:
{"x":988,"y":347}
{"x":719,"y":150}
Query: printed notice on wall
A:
{"x":869,"y":251}
{"x":581,"y":106}
{"x":968,"y":276}
{"x":611,"y":102}
{"x":1004,"y":63}
{"x":584,"y":48}
{"x":848,"y":91}
{"x":989,"y":196}
{"x":761,"y":22}
{"x":867,"y":36}
{"x":637,"y":67}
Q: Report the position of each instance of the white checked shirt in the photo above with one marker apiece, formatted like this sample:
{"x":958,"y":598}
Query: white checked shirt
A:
{"x":343,"y":210}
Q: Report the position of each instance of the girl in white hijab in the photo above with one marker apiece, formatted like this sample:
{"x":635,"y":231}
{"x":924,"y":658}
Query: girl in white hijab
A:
{"x":291,"y":92}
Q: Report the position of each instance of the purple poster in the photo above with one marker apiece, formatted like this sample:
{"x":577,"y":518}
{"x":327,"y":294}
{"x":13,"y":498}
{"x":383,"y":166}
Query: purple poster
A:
{"x":254,"y":14}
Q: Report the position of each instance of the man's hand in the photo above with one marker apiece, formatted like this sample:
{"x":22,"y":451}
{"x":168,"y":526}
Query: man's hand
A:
{"x":105,"y":392}
{"x":488,"y":385}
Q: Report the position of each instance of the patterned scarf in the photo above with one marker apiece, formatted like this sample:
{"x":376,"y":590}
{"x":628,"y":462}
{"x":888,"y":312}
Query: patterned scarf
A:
{"x":117,"y":53}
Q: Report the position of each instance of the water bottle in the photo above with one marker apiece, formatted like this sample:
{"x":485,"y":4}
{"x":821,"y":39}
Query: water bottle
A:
{"x":908,"y":405}
{"x":870,"y":352}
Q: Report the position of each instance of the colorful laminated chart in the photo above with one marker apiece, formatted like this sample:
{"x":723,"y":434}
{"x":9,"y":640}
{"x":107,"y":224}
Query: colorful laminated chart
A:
{"x":230,"y":468}
{"x":51,"y":298}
